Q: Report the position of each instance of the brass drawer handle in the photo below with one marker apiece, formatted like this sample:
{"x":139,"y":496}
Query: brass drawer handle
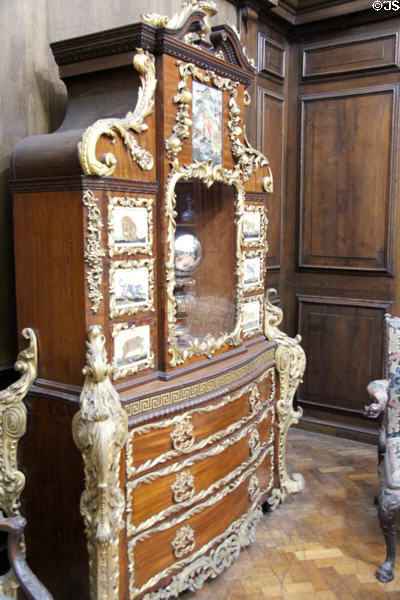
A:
{"x":182,"y":435}
{"x":183,"y":487}
{"x":183,"y":542}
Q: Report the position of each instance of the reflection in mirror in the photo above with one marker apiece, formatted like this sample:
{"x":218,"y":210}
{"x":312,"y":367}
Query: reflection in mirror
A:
{"x":205,"y":259}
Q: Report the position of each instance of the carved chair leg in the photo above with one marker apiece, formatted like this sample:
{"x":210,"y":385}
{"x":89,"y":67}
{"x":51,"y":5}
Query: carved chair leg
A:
{"x":389,"y":503}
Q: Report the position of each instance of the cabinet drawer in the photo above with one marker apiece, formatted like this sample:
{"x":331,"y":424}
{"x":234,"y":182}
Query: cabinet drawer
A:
{"x":172,"y":489}
{"x":171,"y":545}
{"x":160,"y":442}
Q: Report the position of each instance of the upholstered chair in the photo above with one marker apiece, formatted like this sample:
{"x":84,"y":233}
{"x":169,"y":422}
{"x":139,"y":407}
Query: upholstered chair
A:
{"x":385,"y":394}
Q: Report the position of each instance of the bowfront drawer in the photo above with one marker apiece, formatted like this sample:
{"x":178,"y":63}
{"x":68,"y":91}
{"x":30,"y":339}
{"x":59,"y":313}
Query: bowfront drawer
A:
{"x":175,"y":487}
{"x":162,"y":442}
{"x":157,"y":552}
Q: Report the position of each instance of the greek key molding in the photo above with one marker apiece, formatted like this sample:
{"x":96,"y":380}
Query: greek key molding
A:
{"x":290,"y":364}
{"x":239,"y":535}
{"x":100,"y":430}
{"x":188,"y":393}
{"x":94,"y":252}
{"x":13,"y":418}
{"x":132,"y":471}
{"x":143,"y":62}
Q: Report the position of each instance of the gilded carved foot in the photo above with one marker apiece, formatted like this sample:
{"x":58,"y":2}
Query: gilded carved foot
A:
{"x":290,"y":364}
{"x":100,"y":430}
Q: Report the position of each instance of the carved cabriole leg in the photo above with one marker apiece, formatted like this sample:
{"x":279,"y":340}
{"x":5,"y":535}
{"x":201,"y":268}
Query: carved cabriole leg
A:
{"x":290,"y":364}
{"x":12,"y":428}
{"x":389,"y":503}
{"x":100,"y":430}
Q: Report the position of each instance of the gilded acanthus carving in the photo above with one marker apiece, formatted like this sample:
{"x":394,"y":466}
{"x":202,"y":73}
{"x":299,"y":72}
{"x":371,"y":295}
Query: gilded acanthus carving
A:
{"x":183,"y":542}
{"x":207,"y":8}
{"x":290,"y":364}
{"x":94,"y":252}
{"x":100,"y":430}
{"x":239,"y":535}
{"x":12,"y":427}
{"x":133,"y":122}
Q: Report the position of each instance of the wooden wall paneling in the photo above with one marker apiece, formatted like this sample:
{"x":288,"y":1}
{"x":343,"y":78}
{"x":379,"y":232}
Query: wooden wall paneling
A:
{"x":271,"y":141}
{"x":350,"y":55}
{"x":271,"y":56}
{"x":343,"y":341}
{"x":347,"y":181}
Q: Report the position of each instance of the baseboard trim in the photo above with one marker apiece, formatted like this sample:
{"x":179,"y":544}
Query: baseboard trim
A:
{"x":336,"y":429}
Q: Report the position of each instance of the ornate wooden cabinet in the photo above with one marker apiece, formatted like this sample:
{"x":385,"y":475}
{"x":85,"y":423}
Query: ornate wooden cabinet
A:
{"x":142,"y":222}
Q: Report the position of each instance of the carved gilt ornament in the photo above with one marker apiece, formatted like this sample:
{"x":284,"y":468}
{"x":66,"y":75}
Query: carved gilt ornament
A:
{"x":100,"y":430}
{"x":290,"y":364}
{"x":94,"y":251}
{"x":132,"y":123}
{"x":13,"y":420}
{"x":207,"y":8}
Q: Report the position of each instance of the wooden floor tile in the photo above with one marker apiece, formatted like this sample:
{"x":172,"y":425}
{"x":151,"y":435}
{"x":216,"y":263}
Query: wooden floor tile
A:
{"x":324,"y":543}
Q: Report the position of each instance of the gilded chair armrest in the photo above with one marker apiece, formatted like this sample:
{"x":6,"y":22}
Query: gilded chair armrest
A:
{"x":378,"y":392}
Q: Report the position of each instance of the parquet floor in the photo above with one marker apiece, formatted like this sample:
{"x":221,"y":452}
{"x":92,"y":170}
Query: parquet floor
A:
{"x":323,"y":543}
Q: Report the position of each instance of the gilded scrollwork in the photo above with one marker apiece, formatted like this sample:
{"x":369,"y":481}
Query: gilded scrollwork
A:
{"x":100,"y":430}
{"x":182,"y":435}
{"x":94,"y":252}
{"x":207,"y":8}
{"x":183,"y":487}
{"x":184,"y":541}
{"x":133,"y":122}
{"x":211,"y":560}
{"x":290,"y":364}
{"x":13,"y":420}
{"x":208,"y":173}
